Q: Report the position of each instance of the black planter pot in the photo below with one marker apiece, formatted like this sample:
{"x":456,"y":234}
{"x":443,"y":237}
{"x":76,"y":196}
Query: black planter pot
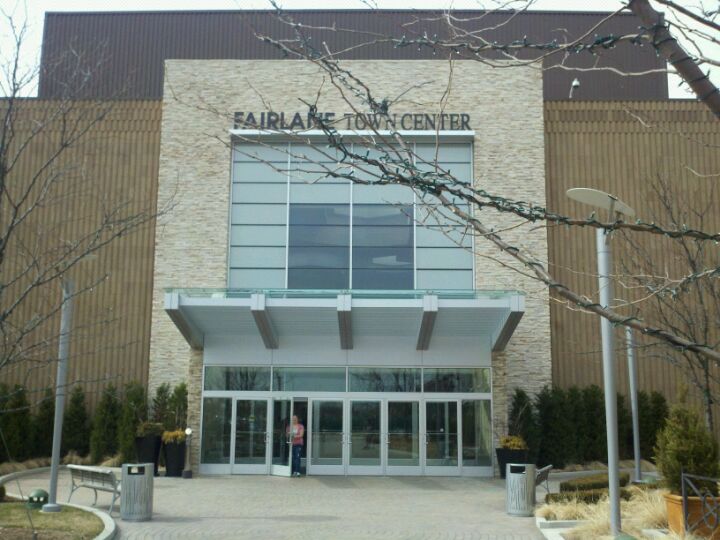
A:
{"x":148,"y":450}
{"x":174,"y":458}
{"x":508,"y":455}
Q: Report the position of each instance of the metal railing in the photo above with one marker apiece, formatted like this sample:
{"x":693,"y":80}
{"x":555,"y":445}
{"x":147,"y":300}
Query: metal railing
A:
{"x":705,"y":488}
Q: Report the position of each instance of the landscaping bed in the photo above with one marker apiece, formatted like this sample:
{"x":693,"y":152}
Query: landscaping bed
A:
{"x":69,"y":524}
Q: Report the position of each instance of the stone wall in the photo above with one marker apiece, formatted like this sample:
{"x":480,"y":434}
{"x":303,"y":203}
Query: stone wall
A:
{"x":506,"y":111}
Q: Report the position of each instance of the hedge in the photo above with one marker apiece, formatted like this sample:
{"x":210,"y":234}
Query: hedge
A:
{"x":595,"y":481}
{"x":568,"y":426}
{"x":590,"y":496}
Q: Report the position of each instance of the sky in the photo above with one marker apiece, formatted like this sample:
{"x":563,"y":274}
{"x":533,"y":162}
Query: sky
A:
{"x":34,"y":11}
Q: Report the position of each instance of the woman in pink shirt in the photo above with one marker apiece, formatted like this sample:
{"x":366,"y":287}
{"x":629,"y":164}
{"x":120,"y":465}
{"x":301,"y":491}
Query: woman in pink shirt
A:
{"x":297,"y":431}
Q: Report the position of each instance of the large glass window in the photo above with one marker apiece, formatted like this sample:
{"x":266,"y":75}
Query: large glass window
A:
{"x":321,"y":379}
{"x":384,"y":379}
{"x":476,"y":433}
{"x":216,"y":430}
{"x":456,"y":380}
{"x":319,"y":246}
{"x":237,"y":378}
{"x":382,"y":256}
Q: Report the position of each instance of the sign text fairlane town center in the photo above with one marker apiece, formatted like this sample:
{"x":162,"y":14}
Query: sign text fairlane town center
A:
{"x":301,"y":121}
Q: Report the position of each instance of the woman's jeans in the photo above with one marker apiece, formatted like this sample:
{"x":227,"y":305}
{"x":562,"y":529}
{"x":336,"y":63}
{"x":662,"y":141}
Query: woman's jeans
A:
{"x":296,"y":451}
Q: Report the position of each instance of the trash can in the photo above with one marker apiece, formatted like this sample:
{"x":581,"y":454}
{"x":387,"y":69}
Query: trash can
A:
{"x":520,"y":489}
{"x":136,"y":491}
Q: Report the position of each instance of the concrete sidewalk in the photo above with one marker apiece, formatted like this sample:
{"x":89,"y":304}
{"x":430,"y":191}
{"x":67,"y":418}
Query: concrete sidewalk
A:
{"x":267,"y":507}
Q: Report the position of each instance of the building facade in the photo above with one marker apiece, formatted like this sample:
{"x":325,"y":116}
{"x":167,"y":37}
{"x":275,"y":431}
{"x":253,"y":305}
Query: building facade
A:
{"x":364,"y":307}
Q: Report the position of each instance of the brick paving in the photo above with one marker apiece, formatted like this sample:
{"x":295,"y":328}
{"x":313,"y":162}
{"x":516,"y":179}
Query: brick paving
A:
{"x":266,"y":507}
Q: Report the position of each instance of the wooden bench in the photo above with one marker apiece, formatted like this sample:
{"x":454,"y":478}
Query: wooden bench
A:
{"x":542,"y":477}
{"x":95,"y":478}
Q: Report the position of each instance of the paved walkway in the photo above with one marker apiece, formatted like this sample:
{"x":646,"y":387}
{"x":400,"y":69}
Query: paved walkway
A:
{"x":333,"y":508}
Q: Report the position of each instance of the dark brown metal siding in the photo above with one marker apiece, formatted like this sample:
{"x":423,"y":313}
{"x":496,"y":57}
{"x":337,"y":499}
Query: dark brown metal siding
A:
{"x":125,"y":51}
{"x":621,"y":148}
{"x":116,"y":163}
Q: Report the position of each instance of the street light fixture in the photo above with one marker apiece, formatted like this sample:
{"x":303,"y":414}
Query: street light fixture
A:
{"x":615,"y":208}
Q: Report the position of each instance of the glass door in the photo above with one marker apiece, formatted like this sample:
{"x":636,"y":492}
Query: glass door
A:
{"x":441,"y":438}
{"x":327,"y":437}
{"x":402,"y":438}
{"x":281,"y":443}
{"x":251,"y":436}
{"x":365,"y":451}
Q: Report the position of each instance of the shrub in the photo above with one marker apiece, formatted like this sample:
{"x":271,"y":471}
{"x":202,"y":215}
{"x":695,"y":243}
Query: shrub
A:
{"x":4,"y":396}
{"x":2,"y":493}
{"x":594,"y":405}
{"x":590,"y":496}
{"x":17,"y":421}
{"x":103,"y":438}
{"x":576,"y":416}
{"x":173,"y":437}
{"x":178,"y":406}
{"x":134,"y":411}
{"x":76,"y":424}
{"x":557,"y":432}
{"x":146,"y":429}
{"x":161,"y":411}
{"x":685,"y":444}
{"x":513,"y":442}
{"x":42,"y":426}
{"x":523,"y":422}
{"x":595,"y":481}
{"x":624,"y":424}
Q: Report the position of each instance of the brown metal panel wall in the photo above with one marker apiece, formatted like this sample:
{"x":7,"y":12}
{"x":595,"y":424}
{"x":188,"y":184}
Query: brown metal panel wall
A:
{"x":116,"y":163}
{"x":125,"y":51}
{"x":620,"y":147}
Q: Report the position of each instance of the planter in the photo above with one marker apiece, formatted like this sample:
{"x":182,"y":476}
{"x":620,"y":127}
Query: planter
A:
{"x":676,"y":523}
{"x":174,"y":458}
{"x":148,"y":450}
{"x":507,"y":455}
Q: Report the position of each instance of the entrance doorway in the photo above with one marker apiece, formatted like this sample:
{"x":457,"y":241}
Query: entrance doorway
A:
{"x":358,"y":435}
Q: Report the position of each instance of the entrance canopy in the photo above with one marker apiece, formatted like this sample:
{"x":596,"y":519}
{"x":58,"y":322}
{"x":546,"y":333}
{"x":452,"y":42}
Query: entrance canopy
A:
{"x":275,"y":313}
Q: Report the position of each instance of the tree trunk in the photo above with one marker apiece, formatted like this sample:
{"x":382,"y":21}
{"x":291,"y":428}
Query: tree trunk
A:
{"x":670,"y":49}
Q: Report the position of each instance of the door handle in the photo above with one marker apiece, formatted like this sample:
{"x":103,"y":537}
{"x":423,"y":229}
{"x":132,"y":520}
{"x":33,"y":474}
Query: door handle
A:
{"x":265,"y":438}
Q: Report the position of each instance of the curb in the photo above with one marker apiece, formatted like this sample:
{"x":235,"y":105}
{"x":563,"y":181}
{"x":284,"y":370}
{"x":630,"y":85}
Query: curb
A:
{"x":110,"y":527}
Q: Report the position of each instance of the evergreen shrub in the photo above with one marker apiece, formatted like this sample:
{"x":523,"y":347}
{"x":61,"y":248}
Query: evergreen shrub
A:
{"x":133,"y":412}
{"x":42,"y":426}
{"x":103,"y":438}
{"x":685,"y":444}
{"x":76,"y":424}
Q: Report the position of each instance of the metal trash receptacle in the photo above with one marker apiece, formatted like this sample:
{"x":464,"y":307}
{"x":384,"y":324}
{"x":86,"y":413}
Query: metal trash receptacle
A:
{"x":520,"y":489}
{"x":136,"y":491}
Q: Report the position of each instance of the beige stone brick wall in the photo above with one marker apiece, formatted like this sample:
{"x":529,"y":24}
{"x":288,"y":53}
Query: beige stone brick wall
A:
{"x":506,"y":110}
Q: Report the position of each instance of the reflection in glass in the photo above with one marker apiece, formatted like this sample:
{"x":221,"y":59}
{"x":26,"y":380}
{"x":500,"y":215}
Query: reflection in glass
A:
{"x":403,"y":433}
{"x":365,"y":433}
{"x":281,"y":429}
{"x":476,"y":433}
{"x":237,"y":378}
{"x":441,"y":433}
{"x":456,"y":380}
{"x":318,"y":248}
{"x":216,"y":427}
{"x":327,"y":433}
{"x":383,"y":255}
{"x":250,"y":426}
{"x":384,"y":379}
{"x":321,"y":379}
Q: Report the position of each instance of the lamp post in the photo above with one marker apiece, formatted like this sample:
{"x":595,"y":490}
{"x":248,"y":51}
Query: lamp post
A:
{"x":187,"y":472}
{"x":615,"y":207}
{"x":632,"y":377}
{"x":66,"y":312}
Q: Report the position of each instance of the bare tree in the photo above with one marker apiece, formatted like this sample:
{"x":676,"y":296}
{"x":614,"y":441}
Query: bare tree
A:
{"x":677,"y":278}
{"x":53,"y":213}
